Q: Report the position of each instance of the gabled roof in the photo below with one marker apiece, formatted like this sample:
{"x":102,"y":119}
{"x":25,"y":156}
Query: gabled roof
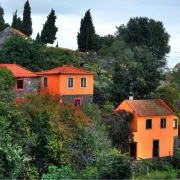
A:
{"x":14,"y":31}
{"x":66,"y":69}
{"x":19,"y":71}
{"x":19,"y":32}
{"x":151,"y":107}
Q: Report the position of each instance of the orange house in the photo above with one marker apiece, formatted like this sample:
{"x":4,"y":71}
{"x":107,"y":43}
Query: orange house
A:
{"x":154,"y":127}
{"x":72,"y":84}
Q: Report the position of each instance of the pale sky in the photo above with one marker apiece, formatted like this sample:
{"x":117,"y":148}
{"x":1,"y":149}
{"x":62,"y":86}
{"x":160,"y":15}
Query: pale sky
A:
{"x":106,"y":14}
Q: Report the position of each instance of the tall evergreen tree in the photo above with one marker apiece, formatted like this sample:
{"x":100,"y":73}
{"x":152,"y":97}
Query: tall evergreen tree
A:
{"x":16,"y":22}
{"x":38,"y":37}
{"x":57,"y":44}
{"x":2,"y":22}
{"x":87,"y":29}
{"x":48,"y":34}
{"x":27,"y":22}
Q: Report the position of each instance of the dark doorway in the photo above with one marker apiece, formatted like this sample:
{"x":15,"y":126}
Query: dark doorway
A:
{"x":77,"y":103}
{"x":133,"y":150}
{"x":155,"y":148}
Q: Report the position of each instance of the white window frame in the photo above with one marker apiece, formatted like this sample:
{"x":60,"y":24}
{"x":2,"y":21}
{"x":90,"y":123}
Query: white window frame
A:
{"x":86,"y":82}
{"x":68,"y":82}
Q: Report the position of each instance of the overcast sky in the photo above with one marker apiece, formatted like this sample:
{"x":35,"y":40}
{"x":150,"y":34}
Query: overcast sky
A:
{"x":106,"y":15}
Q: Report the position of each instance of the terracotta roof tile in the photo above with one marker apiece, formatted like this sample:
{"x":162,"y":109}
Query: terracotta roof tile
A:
{"x":19,"y":32}
{"x":66,"y":69}
{"x":151,"y":107}
{"x":19,"y":71}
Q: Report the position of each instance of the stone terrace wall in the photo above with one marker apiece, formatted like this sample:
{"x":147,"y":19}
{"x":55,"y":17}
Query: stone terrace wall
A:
{"x":85,"y":98}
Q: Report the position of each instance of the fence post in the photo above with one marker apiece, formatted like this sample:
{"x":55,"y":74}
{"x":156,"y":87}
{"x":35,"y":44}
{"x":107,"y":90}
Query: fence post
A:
{"x":147,"y":171}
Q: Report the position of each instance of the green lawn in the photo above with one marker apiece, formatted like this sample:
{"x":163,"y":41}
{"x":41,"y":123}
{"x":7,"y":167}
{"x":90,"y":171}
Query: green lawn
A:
{"x":161,"y":175}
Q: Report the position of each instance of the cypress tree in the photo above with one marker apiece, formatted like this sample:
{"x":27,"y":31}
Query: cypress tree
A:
{"x":48,"y":34}
{"x":2,"y":22}
{"x":38,"y":38}
{"x":57,"y":44}
{"x":16,"y":22}
{"x":27,"y":22}
{"x":86,"y":31}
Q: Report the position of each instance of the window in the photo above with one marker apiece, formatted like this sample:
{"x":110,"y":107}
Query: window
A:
{"x":45,"y":82}
{"x":175,"y":123}
{"x":77,"y":102}
{"x":163,"y":123}
{"x":20,"y":84}
{"x":148,"y":123}
{"x":70,"y":82}
{"x":83,"y":82}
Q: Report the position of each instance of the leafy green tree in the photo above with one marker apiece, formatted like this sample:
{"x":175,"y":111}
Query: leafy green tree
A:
{"x":2,"y":22}
{"x":91,"y":140}
{"x":96,"y":42}
{"x":7,"y":83}
{"x":141,"y":31}
{"x":7,"y":80}
{"x":114,"y":165}
{"x":118,"y":129}
{"x":54,"y":125}
{"x":107,"y":40}
{"x":170,"y":95}
{"x":86,"y":32}
{"x":16,"y":22}
{"x":24,"y":52}
{"x":174,"y":76}
{"x":14,"y":141}
{"x":48,"y":34}
{"x":27,"y":21}
{"x":33,"y":55}
{"x":135,"y":69}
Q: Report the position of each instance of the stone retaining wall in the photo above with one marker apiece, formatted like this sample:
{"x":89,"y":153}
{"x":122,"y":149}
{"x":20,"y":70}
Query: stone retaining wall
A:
{"x":85,"y":98}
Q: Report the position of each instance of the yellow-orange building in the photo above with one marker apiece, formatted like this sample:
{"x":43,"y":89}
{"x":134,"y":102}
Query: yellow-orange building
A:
{"x":154,"y":127}
{"x":74,"y":85}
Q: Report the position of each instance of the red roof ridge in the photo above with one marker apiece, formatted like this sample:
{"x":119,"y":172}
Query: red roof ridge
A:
{"x":63,"y":66}
{"x":165,"y":105}
{"x":24,"y":68}
{"x":19,"y":32}
{"x":62,"y":70}
{"x":15,"y":73}
{"x":80,"y":69}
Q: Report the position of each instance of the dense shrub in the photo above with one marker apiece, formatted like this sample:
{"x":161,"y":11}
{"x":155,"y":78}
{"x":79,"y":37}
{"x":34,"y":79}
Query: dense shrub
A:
{"x":89,"y":173}
{"x":59,"y":173}
{"x":114,"y":165}
{"x":176,"y":159}
{"x":118,"y":129}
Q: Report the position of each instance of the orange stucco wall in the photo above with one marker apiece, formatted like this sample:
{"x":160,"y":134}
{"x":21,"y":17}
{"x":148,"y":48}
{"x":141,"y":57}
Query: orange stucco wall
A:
{"x":133,"y":122}
{"x":77,"y":85}
{"x":58,"y":84}
{"x":144,"y":137}
{"x":53,"y":84}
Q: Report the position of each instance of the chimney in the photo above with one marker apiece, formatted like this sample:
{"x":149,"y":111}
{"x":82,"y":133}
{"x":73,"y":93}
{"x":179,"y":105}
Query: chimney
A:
{"x":131,"y":97}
